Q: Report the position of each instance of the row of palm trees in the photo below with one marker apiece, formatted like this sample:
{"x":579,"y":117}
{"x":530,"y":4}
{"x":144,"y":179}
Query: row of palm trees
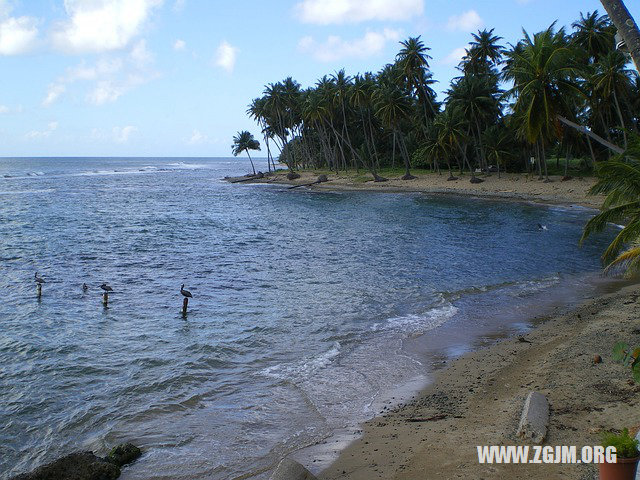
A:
{"x":553,"y":92}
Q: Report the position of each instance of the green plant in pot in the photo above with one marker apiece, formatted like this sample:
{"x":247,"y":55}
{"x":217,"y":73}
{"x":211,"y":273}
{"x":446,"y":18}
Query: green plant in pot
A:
{"x":627,"y":456}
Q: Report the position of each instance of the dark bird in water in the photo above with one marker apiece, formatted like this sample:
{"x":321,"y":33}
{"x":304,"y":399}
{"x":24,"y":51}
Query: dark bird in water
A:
{"x":541,"y":227}
{"x":106,"y":287}
{"x":184,"y":292}
{"x":39,"y":280}
{"x":85,"y":287}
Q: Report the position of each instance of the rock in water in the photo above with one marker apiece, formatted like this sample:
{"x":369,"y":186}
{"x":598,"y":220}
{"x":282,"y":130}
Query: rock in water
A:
{"x":291,"y":470}
{"x":76,"y":466}
{"x":292,"y":175}
{"x":123,"y":454}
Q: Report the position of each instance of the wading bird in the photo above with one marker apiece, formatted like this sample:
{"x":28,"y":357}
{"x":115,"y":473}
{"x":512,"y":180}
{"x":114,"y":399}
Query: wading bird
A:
{"x":184,"y":292}
{"x":39,"y":280}
{"x":106,"y":287}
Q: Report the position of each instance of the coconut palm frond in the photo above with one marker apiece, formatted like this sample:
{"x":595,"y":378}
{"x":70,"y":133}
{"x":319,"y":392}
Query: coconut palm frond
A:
{"x":626,"y":236}
{"x":627,"y":263}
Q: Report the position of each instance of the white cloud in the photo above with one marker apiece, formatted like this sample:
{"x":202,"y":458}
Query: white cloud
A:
{"x":140,"y":55}
{"x":226,"y":56}
{"x":108,"y":78}
{"x":53,"y":93}
{"x":179,"y":45}
{"x":17,"y":34}
{"x":115,"y":135}
{"x":122,"y":134}
{"x":4,"y":109}
{"x":454,"y":57}
{"x":465,"y":22}
{"x":101,"y":25}
{"x":38,"y":134}
{"x":325,"y":12}
{"x":197,"y":138}
{"x":335,"y":48}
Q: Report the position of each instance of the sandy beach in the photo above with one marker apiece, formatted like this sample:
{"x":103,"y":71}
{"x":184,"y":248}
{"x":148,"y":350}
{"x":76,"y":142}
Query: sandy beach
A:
{"x":512,"y":186}
{"x":477,"y":400}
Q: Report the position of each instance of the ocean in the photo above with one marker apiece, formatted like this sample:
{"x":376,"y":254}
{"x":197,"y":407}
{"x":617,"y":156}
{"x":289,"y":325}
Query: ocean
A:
{"x":311,"y":311}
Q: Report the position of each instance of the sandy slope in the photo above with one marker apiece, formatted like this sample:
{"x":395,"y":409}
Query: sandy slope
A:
{"x":478,"y":400}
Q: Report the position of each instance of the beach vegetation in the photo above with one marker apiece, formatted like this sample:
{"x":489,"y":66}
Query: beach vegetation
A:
{"x":619,"y":180}
{"x":564,"y":93}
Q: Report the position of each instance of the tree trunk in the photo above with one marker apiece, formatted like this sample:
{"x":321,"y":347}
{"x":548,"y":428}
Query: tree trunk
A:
{"x":627,"y":28}
{"x":589,"y":133}
{"x":407,"y":163}
{"x":254,"y":168}
{"x":624,"y":133}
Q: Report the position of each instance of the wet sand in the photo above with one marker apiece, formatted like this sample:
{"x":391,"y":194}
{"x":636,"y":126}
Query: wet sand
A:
{"x":510,"y":186}
{"x":477,"y":400}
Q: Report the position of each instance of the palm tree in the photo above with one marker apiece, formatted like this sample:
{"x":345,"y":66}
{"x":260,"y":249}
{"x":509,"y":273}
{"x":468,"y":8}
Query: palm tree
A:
{"x":413,"y":61}
{"x":243,"y":142}
{"x":620,"y":180}
{"x":612,"y":81}
{"x":593,"y":35}
{"x":485,"y":53}
{"x":543,"y":74}
{"x":476,"y":97}
{"x":392,"y":107}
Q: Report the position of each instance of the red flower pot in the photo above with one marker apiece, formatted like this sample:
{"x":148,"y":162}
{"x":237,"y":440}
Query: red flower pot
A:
{"x":623,"y":469}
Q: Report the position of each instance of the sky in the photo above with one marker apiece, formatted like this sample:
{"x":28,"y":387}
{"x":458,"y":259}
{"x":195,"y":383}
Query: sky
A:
{"x":174,"y":77}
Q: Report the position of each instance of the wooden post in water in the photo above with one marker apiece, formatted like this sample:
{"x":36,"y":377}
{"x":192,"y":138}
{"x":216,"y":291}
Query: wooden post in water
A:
{"x":185,"y":304}
{"x":39,"y":289}
{"x":105,"y":299}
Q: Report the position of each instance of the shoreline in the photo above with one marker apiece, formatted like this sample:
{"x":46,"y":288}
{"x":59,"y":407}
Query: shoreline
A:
{"x":477,"y":400}
{"x":511,"y":186}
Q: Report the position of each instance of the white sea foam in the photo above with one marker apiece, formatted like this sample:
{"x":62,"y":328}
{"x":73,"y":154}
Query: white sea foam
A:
{"x":531,"y":287}
{"x":302,"y":369}
{"x":22,"y":192}
{"x":419,"y":323}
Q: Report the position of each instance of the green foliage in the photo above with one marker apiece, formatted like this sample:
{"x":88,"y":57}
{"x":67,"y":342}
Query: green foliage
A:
{"x":619,"y":179}
{"x":420,"y":158}
{"x":629,"y":357}
{"x":626,"y":445}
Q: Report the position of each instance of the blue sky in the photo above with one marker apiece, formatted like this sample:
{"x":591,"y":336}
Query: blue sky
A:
{"x":174,"y":77}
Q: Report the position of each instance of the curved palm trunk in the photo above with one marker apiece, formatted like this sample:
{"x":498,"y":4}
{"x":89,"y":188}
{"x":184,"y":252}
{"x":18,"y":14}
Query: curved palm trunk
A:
{"x":405,"y":154}
{"x":624,"y":133}
{"x":254,"y":168}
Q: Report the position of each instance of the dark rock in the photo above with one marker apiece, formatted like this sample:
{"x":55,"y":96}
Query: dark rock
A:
{"x":566,"y":178}
{"x":408,"y":176}
{"x":123,"y":454}
{"x":322,"y":178}
{"x":259,"y":175}
{"x":292,"y":175}
{"x":76,"y":466}
{"x":452,"y":178}
{"x":476,"y":180}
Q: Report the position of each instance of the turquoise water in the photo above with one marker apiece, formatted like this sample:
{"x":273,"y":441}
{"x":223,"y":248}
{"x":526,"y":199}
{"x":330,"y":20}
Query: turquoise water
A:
{"x":309,"y":308}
